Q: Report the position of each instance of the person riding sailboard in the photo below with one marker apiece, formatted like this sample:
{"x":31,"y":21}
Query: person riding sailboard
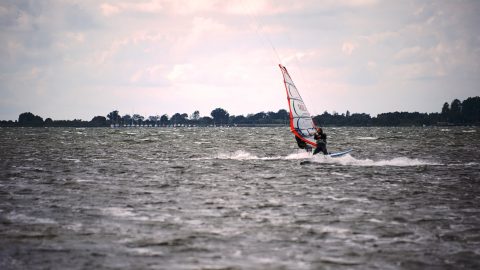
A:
{"x":307,"y":134}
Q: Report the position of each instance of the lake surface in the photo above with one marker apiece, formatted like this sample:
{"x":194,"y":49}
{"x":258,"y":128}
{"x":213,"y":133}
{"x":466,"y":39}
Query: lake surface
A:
{"x":238,"y":198}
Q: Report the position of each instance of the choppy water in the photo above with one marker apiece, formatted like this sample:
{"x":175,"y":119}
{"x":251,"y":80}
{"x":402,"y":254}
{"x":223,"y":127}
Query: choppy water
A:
{"x":238,"y":198}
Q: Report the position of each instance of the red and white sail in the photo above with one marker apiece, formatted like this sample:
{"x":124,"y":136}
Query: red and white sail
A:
{"x":301,"y":123}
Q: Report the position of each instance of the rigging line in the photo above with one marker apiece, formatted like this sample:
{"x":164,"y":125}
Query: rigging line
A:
{"x":295,"y":57}
{"x":257,"y":23}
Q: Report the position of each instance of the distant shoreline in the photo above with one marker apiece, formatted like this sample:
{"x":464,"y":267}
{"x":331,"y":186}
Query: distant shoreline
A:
{"x":241,"y":126}
{"x":457,"y":113}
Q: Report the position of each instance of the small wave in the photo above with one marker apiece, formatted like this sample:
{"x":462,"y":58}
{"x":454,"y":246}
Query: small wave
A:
{"x":471,"y":164}
{"x":118,"y":212}
{"x":367,"y":138}
{"x":349,"y":160}
{"x":341,"y":174}
{"x":338,"y":231}
{"x":21,"y":218}
{"x":469,"y":131}
{"x":122,"y":213}
{"x":300,"y":155}
{"x":242,"y":155}
{"x":75,"y":160}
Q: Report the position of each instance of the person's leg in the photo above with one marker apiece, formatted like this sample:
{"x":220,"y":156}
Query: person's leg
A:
{"x":324,"y":150}
{"x":320,"y":147}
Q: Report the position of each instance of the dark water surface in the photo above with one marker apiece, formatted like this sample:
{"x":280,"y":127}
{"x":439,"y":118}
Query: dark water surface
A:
{"x":238,"y":198}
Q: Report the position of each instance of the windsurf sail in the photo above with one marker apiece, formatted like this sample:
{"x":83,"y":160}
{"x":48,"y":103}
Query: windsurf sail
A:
{"x":301,"y":123}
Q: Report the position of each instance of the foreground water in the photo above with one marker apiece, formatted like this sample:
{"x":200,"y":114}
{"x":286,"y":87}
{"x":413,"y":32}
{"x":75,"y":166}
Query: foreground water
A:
{"x":238,"y":198}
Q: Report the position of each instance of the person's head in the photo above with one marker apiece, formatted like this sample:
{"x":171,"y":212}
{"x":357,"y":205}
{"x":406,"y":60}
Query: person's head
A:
{"x":319,"y":130}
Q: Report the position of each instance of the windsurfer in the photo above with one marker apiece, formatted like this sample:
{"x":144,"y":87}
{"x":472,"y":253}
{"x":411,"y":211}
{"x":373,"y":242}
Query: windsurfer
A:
{"x":321,"y":140}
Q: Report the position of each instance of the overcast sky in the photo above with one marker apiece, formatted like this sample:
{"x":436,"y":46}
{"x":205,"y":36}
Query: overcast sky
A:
{"x":68,"y":59}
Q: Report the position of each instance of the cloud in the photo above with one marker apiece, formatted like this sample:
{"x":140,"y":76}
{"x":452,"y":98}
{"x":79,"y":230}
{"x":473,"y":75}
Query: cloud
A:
{"x":107,"y":54}
{"x":109,"y":9}
{"x":253,"y":8}
{"x":117,"y":7}
{"x":230,"y":7}
{"x":380,"y":37}
{"x":180,"y":72}
{"x":409,"y":53}
{"x":207,"y":26}
{"x":153,"y":6}
{"x":150,"y":76}
{"x":79,"y":17}
{"x":357,"y":3}
{"x":348,"y":48}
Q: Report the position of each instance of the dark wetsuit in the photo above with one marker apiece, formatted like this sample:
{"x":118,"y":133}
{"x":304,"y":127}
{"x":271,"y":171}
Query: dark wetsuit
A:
{"x":321,"y":140}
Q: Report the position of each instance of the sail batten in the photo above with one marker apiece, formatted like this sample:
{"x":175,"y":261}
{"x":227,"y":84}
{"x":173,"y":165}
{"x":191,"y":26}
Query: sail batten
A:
{"x":301,"y":123}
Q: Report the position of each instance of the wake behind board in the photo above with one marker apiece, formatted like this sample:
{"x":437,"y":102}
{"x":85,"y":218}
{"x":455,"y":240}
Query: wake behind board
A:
{"x":339,"y":154}
{"x":332,"y":155}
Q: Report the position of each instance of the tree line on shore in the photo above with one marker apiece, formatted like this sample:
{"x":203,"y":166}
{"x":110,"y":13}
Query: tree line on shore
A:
{"x":455,"y":113}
